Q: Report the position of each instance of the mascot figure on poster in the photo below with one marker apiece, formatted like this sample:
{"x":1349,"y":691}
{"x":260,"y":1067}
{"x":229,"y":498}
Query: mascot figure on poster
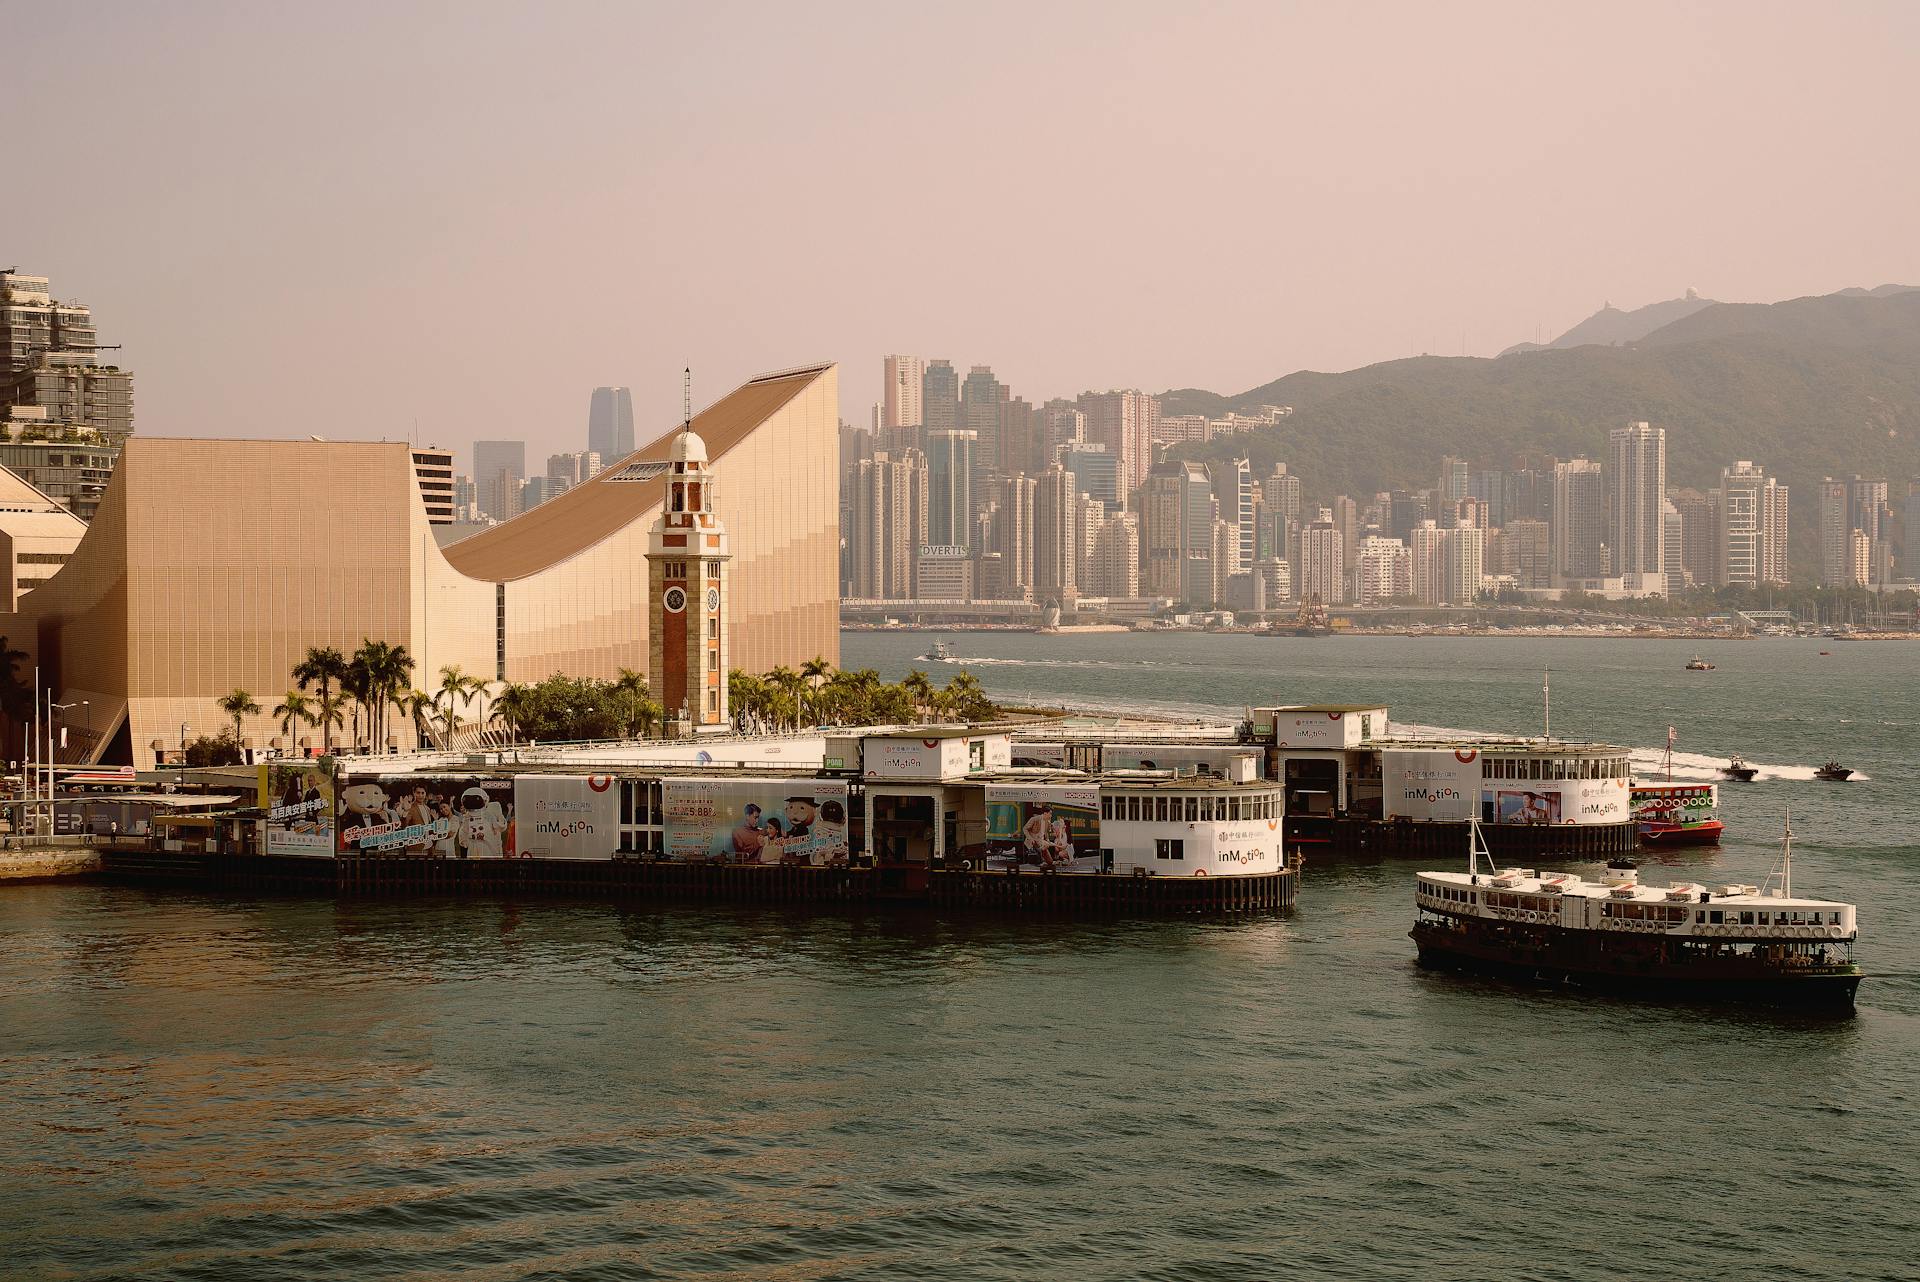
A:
{"x":481,"y":827}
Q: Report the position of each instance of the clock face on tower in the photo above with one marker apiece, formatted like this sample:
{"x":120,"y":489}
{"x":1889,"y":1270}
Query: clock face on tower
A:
{"x":713,"y":598}
{"x":675,"y":599}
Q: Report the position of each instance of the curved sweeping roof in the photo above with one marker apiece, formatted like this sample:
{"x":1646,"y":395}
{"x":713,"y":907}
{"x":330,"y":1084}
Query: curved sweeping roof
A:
{"x":564,"y":527}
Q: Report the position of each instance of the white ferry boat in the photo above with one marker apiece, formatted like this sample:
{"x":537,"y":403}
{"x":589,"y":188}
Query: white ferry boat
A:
{"x":1737,"y":941}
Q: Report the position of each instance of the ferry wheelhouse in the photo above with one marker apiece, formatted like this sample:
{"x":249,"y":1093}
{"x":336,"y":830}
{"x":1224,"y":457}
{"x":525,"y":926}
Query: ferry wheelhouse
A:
{"x":1740,"y":942}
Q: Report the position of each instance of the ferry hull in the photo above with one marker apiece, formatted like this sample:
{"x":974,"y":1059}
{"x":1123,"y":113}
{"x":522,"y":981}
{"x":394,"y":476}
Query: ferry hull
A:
{"x":1582,"y":960}
{"x":1664,"y":834}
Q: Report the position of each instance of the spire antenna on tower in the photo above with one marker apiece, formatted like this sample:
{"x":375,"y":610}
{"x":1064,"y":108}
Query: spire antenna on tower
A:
{"x":686,"y":398}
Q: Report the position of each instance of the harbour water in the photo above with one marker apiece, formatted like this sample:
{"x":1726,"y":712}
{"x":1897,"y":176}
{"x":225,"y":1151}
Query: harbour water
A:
{"x":204,"y":1087}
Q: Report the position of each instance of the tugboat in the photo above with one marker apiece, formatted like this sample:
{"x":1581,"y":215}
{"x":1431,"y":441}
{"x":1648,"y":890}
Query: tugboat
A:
{"x":1736,"y":943}
{"x":1739,"y":771}
{"x":1676,"y":814}
{"x":1834,"y":771}
{"x":941,"y":653}
{"x":1698,"y":664}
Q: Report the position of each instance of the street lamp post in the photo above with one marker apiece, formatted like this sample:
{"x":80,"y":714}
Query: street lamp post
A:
{"x":53,"y":778}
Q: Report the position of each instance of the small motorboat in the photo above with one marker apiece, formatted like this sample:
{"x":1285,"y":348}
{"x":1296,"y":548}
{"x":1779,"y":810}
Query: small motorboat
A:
{"x":1698,"y":664}
{"x":1739,"y":771}
{"x":1834,"y":771}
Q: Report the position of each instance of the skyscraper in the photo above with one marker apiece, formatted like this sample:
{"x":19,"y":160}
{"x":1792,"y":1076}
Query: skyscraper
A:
{"x":903,"y":385}
{"x":1176,"y":525}
{"x":493,"y":461}
{"x":1636,"y":489}
{"x":1453,"y":480}
{"x":950,"y":488}
{"x":1384,"y":571}
{"x":1023,"y":446}
{"x":1752,"y":527}
{"x":1013,"y":532}
{"x":1322,"y":561}
{"x":982,"y":397}
{"x":610,"y":424}
{"x":1579,"y":520}
{"x":53,"y":386}
{"x":1465,"y":551}
{"x":1126,"y":423}
{"x":889,"y":497}
{"x":1835,"y":543}
{"x":1056,"y":537}
{"x":1096,"y":472}
{"x":1426,"y":565}
{"x":940,"y":397}
{"x":1233,"y":489}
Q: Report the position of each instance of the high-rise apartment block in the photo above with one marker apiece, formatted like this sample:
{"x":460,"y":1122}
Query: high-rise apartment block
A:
{"x":1383,"y":572}
{"x":1126,"y":422}
{"x":982,"y":398}
{"x":1322,"y":561}
{"x":889,"y":502}
{"x":1464,"y":550}
{"x":1636,"y":491}
{"x":1579,"y":520}
{"x":1752,"y":542}
{"x":63,"y":414}
{"x":1056,"y":537}
{"x":1426,"y":563}
{"x":903,"y":380}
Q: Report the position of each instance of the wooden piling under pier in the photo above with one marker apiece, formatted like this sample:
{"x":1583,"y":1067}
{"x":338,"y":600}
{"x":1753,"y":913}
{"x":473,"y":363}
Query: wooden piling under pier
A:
{"x":1091,"y":894}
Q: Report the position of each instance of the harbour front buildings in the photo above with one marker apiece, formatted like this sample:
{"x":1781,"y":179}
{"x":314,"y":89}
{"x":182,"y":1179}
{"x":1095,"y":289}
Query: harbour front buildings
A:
{"x":213,"y":565}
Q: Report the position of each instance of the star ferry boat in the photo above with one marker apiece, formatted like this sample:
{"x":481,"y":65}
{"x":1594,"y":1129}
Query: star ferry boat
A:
{"x":1736,"y":942}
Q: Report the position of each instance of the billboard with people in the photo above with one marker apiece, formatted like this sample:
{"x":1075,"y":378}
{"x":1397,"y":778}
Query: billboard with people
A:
{"x":1520,"y":806}
{"x":566,"y":816}
{"x":1052,"y":827}
{"x":436,"y":816}
{"x":298,"y":799}
{"x":757,"y":821}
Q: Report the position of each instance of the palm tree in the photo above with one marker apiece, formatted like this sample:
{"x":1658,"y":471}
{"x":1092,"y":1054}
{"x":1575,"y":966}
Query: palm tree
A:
{"x":389,"y":670}
{"x":291,"y":711}
{"x":454,"y":684}
{"x":323,"y":666}
{"x":329,"y":714}
{"x":789,"y":683}
{"x":511,"y":708}
{"x":357,"y":684}
{"x":815,"y":672}
{"x":415,"y":705}
{"x":238,"y":704}
{"x":920,"y":689}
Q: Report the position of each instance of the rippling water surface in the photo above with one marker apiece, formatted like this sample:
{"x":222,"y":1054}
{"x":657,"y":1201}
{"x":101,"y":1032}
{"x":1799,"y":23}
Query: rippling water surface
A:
{"x":201,"y":1087}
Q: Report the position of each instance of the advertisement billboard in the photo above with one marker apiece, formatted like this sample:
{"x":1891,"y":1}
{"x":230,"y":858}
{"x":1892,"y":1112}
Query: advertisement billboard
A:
{"x":1429,"y":783}
{"x":1054,"y":826}
{"x":566,"y":816}
{"x":757,"y":821}
{"x":298,"y":799}
{"x":442,"y":816}
{"x":1521,"y":806}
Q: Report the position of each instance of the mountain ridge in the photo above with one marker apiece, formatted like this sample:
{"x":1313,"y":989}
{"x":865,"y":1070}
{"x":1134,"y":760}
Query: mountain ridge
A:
{"x":1827,"y":385}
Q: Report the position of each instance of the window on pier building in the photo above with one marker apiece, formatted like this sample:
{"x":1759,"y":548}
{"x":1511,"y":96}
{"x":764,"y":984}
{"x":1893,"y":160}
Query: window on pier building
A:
{"x":1169,"y":848}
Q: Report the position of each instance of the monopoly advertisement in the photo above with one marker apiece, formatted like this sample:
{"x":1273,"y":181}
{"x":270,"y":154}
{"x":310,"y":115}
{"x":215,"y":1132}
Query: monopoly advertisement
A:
{"x":757,"y":821}
{"x":297,"y":797}
{"x":566,"y":816}
{"x":1044,"y":826}
{"x":440,"y":816}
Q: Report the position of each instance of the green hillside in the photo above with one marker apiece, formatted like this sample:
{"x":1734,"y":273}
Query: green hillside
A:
{"x":1805,"y":388}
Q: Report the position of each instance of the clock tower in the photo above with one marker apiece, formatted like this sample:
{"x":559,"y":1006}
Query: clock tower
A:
{"x":687,"y":593}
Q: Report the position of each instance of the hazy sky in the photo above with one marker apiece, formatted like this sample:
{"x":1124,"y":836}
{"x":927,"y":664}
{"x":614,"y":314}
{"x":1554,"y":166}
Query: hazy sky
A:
{"x":345,"y":219}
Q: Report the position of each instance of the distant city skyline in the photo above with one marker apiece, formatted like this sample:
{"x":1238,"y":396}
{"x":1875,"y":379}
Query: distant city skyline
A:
{"x":691,"y":187}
